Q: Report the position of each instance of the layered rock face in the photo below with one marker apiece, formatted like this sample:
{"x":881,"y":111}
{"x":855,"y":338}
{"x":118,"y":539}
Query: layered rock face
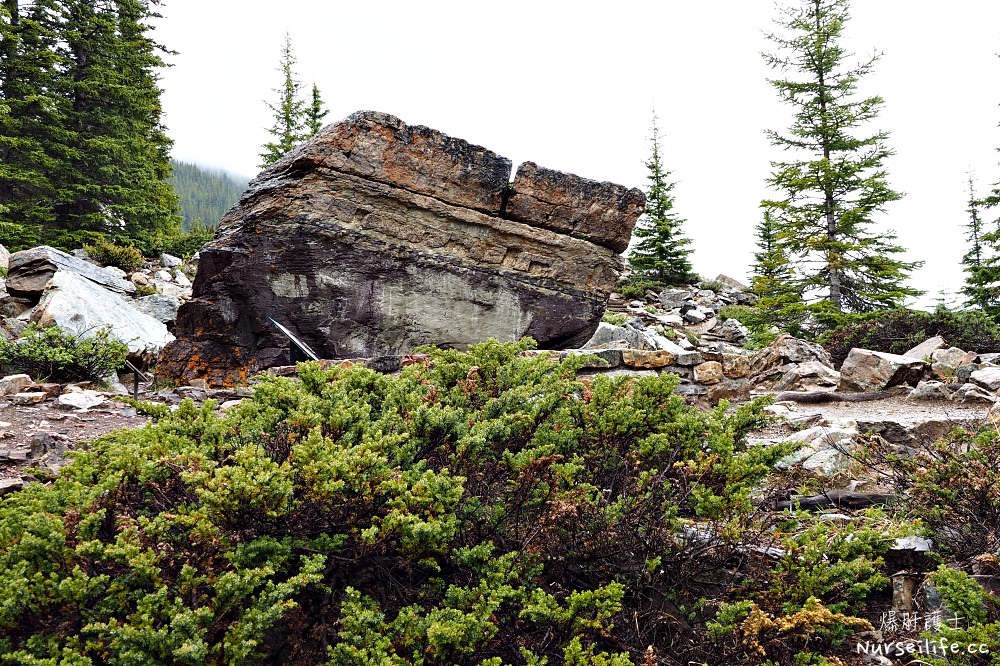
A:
{"x":375,"y":237}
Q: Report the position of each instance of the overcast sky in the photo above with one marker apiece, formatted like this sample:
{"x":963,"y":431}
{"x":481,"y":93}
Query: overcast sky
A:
{"x":572,"y":85}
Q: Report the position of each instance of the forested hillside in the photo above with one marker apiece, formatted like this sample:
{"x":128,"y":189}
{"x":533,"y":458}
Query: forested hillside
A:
{"x":205,"y":194}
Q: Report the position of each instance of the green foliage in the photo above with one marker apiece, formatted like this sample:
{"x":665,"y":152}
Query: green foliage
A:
{"x":662,"y":252}
{"x":614,"y":319}
{"x":187,"y":243}
{"x":973,"y":619}
{"x":482,"y":507}
{"x":954,"y":489}
{"x":53,"y":353}
{"x":896,"y":331}
{"x":144,"y":290}
{"x":146,"y":407}
{"x":106,"y":253}
{"x":84,"y":149}
{"x":205,"y":194}
{"x":835,"y":184}
{"x":636,"y":286}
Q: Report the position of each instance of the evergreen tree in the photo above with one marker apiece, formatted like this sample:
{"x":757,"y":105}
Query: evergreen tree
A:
{"x":290,"y":112}
{"x":773,"y":277}
{"x":33,"y":139}
{"x":86,"y":154}
{"x":315,"y":113}
{"x":836,"y":183}
{"x":982,"y":274}
{"x":662,"y":251}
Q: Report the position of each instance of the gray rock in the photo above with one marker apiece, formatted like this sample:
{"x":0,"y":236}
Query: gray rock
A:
{"x":864,"y":370}
{"x":81,"y":307}
{"x":964,"y":372}
{"x":31,"y":270}
{"x":609,"y":335}
{"x":10,"y":485}
{"x":4,"y":257}
{"x":973,"y":394}
{"x":674,"y":298}
{"x":930,"y":390}
{"x":987,"y":378}
{"x":685,"y":357}
{"x":825,"y":450}
{"x":116,"y":272}
{"x":170,"y":261}
{"x":694,"y":316}
{"x":732,"y":330}
{"x":160,"y":307}
{"x":29,"y":398}
{"x":606,"y":358}
{"x":181,"y":279}
{"x":164,"y":275}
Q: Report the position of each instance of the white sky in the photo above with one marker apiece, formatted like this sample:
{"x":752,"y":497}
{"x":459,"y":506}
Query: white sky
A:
{"x":571,"y":86}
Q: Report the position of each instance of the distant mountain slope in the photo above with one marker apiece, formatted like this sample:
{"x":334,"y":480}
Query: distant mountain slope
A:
{"x":206,"y":194}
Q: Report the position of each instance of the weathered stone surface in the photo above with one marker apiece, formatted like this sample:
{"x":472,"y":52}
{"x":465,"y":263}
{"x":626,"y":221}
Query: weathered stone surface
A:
{"x":635,"y":358}
{"x":10,"y":485}
{"x":930,"y":390}
{"x":373,"y":238}
{"x":808,"y":376}
{"x":160,"y":307}
{"x":735,"y":365}
{"x":731,"y":389}
{"x":972,"y":394}
{"x":674,"y":298}
{"x":31,"y":270}
{"x":4,"y":257}
{"x":786,"y":349}
{"x":602,"y":213}
{"x":732,"y":330}
{"x":606,"y":358}
{"x":170,"y":261}
{"x":12,"y":384}
{"x":926,"y":348}
{"x":81,"y":307}
{"x":865,"y":370}
{"x":987,"y":378}
{"x":81,"y":400}
{"x":623,"y":337}
{"x":709,"y":372}
{"x":946,"y":362}
{"x":29,"y":398}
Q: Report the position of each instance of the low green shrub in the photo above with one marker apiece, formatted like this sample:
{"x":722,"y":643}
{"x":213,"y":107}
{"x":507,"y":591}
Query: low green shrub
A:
{"x":614,"y":318}
{"x":187,"y":243}
{"x":636,"y":286}
{"x":480,"y":508}
{"x":125,"y":257}
{"x":896,"y":331}
{"x":53,"y":353}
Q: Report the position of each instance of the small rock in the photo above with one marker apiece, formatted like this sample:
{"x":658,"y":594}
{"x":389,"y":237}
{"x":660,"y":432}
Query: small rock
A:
{"x":116,"y":272}
{"x":606,"y":358}
{"x":170,"y":261}
{"x":51,"y":389}
{"x":199,"y":384}
{"x":229,"y":404}
{"x":733,"y":390}
{"x":12,"y":384}
{"x":694,"y":316}
{"x":636,"y":304}
{"x":970,"y":393}
{"x":636,"y":358}
{"x":32,"y":398}
{"x":709,"y":372}
{"x":674,"y":298}
{"x":808,"y":376}
{"x":930,"y":390}
{"x":139,"y":278}
{"x":670,"y":319}
{"x":81,"y":400}
{"x":164,"y":275}
{"x":732,"y":330}
{"x":784,"y":350}
{"x":181,"y":279}
{"x":10,"y":485}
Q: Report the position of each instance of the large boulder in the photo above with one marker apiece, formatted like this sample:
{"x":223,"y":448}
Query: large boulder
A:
{"x":31,"y":270}
{"x":375,"y":237}
{"x":81,"y":307}
{"x":865,"y":370}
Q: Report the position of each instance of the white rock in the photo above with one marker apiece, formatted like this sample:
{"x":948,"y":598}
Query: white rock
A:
{"x":158,"y":306}
{"x":987,"y":378}
{"x":81,"y":307}
{"x":170,"y":261}
{"x":164,"y":275}
{"x":116,"y":272}
{"x":82,"y":400}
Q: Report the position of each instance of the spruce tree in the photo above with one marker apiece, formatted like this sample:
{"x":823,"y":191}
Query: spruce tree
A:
{"x":982,"y":274}
{"x":834,"y":183}
{"x":315,"y":113}
{"x":662,"y":252}
{"x":290,"y":112}
{"x":773,"y":277}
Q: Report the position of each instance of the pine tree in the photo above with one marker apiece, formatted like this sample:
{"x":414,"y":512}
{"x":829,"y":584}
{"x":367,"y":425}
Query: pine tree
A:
{"x":290,"y":113}
{"x":836,"y":183}
{"x":662,"y":251}
{"x":773,"y":277}
{"x":315,"y":113}
{"x":982,"y":274}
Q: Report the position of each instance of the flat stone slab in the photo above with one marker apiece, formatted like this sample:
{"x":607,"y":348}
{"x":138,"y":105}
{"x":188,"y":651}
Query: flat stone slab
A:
{"x":31,"y":270}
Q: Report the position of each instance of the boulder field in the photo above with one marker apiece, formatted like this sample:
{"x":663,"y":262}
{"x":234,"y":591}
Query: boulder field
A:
{"x":375,"y":237}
